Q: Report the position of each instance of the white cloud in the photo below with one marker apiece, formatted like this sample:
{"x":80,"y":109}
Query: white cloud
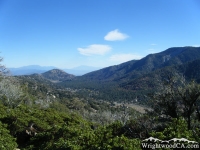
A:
{"x":124,"y":57}
{"x":153,"y":44}
{"x":197,"y":45}
{"x":115,"y":35}
{"x":95,"y":49}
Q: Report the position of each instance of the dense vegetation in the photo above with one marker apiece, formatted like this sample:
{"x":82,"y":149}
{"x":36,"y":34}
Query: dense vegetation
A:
{"x":31,"y":126}
{"x":38,"y":114}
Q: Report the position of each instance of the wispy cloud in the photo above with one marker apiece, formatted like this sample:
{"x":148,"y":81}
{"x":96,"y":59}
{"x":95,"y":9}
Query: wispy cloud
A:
{"x":115,"y":35}
{"x":153,"y":44}
{"x":95,"y":49}
{"x":197,"y":45}
{"x":124,"y":57}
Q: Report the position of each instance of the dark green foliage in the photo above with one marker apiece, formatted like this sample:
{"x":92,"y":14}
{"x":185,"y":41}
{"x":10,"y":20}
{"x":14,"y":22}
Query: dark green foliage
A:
{"x":6,"y":140}
{"x":177,"y":98}
{"x":175,"y":129}
{"x":57,"y":130}
{"x":18,"y":120}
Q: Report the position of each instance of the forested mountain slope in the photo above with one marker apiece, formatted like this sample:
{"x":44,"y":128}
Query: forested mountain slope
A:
{"x":137,"y":77}
{"x":189,"y":70}
{"x":135,"y":68}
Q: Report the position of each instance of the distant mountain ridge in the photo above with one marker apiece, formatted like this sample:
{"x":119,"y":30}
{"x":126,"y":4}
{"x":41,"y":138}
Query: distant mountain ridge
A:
{"x":54,"y":75}
{"x":31,"y":69}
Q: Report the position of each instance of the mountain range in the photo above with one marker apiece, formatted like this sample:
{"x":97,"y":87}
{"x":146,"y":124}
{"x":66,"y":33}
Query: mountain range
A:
{"x":133,"y":78}
{"x":31,"y":69}
{"x":135,"y":68}
{"x":137,"y":78}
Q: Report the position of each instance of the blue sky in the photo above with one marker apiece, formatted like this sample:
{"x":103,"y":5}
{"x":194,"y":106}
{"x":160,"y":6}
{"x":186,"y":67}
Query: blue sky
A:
{"x":99,"y":33}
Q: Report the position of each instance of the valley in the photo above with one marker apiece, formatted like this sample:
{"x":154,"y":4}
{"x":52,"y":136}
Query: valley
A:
{"x":128,"y":102}
{"x":126,"y":81}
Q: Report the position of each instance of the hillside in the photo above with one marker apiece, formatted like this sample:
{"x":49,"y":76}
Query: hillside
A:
{"x":190,"y":70}
{"x":151,"y":62}
{"x":110,"y":73}
{"x":137,"y":78}
{"x":57,"y":75}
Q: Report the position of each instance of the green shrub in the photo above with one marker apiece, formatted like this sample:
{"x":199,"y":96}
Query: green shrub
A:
{"x":7,"y":142}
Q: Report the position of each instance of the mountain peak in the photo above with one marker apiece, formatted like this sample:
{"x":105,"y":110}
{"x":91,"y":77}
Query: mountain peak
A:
{"x":55,"y":71}
{"x":57,"y":75}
